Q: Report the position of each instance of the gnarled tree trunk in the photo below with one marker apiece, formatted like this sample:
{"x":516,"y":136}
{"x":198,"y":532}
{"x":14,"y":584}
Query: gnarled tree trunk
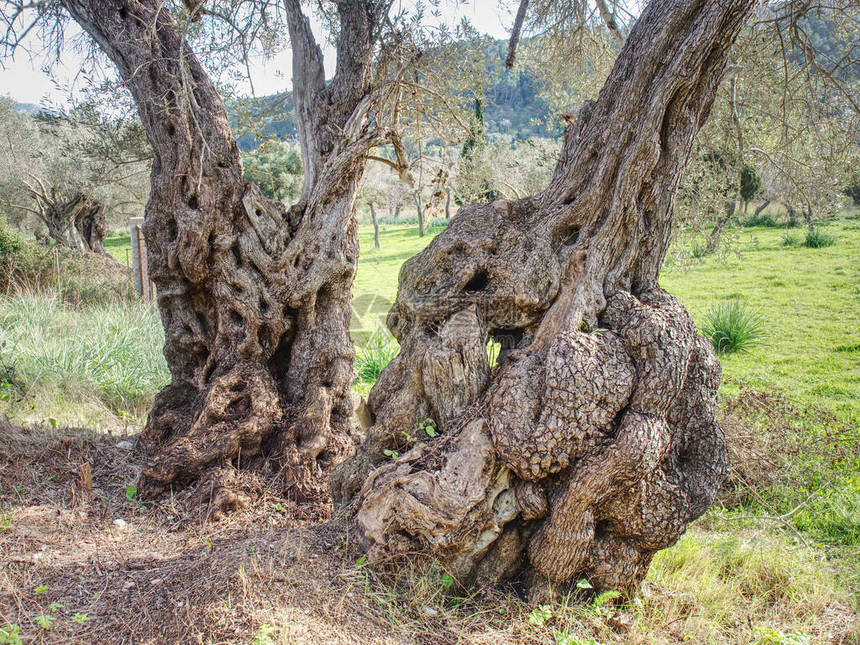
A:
{"x":255,"y":299}
{"x":75,"y":221}
{"x":593,"y":442}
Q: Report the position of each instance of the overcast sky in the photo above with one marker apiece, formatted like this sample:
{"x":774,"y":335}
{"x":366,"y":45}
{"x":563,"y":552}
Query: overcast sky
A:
{"x":24,"y":80}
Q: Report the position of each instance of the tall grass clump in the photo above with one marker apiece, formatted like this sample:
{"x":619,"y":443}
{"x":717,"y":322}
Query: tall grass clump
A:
{"x":818,"y":239}
{"x":733,"y":327}
{"x":788,"y":239}
{"x":105,"y":355}
{"x":372,"y":357}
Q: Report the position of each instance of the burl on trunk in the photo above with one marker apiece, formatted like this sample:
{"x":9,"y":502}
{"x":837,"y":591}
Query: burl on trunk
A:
{"x":593,"y":440}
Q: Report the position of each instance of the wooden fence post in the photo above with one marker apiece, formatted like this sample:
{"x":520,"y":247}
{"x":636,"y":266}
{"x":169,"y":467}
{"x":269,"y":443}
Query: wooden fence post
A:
{"x":139,"y":267}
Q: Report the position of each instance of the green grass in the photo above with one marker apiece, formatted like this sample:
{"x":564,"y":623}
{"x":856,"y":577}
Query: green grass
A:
{"x":733,"y":327}
{"x":809,"y":301}
{"x":85,"y":364}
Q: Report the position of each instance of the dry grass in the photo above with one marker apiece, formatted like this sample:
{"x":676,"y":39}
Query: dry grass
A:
{"x":271,"y":576}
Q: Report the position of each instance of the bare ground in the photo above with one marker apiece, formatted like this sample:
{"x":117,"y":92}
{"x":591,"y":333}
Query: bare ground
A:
{"x":80,"y":555}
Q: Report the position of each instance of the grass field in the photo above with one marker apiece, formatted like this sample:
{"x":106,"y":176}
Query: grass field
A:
{"x":809,"y":300}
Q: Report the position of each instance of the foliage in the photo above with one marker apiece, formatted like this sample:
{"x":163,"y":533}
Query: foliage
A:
{"x":733,"y":327}
{"x":276,"y":167}
{"x":9,"y":635}
{"x":372,"y":357}
{"x":750,"y":183}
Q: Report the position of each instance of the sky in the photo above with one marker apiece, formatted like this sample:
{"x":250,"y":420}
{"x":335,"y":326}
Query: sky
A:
{"x":24,"y":80}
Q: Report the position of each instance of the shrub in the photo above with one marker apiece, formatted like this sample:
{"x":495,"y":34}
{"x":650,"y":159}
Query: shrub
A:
{"x":92,"y":279}
{"x":732,"y":326}
{"x":817,"y":239}
{"x":762,"y":220}
{"x":373,"y":356}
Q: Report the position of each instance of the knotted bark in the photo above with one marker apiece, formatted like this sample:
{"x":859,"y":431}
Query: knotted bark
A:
{"x":254,"y":298}
{"x":593,"y":441}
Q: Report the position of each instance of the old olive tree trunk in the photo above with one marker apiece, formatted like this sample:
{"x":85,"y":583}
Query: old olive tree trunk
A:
{"x":255,"y":298}
{"x":593,"y":441}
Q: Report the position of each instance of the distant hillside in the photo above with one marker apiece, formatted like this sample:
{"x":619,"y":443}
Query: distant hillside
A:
{"x":513,"y":107}
{"x":257,"y":119}
{"x":31,"y":108}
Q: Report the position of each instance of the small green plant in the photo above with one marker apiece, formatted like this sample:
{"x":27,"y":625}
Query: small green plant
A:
{"x":392,"y":454}
{"x":11,"y":386}
{"x":789,"y":239}
{"x":45,"y":622}
{"x":41,"y":589}
{"x":563,"y":637}
{"x":604,"y":598}
{"x":130,"y":493}
{"x":55,"y":607}
{"x":80,"y":619}
{"x":428,"y":427}
{"x":9,"y":635}
{"x":541,"y":615}
{"x":373,"y":356}
{"x":768,"y":636}
{"x":818,"y":239}
{"x":733,"y":327}
{"x":5,"y":519}
{"x":264,"y":635}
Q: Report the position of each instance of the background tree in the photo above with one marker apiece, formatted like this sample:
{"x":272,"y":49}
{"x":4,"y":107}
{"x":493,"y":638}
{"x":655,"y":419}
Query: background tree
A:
{"x":74,"y":173}
{"x":373,"y":197}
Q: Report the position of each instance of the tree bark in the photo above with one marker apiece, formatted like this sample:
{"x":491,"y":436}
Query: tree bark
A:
{"x":761,"y":207}
{"x":375,"y":226}
{"x":254,"y":298}
{"x":75,"y":221}
{"x":806,"y":210}
{"x":792,"y":215}
{"x":714,"y":237}
{"x":420,"y":212}
{"x":594,"y":442}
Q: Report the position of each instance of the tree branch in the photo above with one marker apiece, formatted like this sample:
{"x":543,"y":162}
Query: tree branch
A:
{"x":516,"y":31}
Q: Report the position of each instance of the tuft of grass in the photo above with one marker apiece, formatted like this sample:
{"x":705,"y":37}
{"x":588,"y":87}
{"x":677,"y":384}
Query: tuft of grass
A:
{"x":372,"y":357}
{"x":818,"y":239}
{"x":733,"y":327}
{"x":789,"y":239}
